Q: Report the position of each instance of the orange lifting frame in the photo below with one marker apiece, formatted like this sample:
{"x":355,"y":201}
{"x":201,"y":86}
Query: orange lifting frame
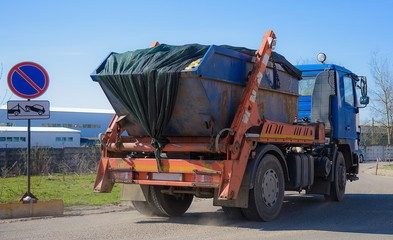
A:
{"x":247,"y":116}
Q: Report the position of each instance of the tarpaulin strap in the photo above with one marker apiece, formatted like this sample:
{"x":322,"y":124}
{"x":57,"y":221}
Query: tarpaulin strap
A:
{"x":275,"y":72}
{"x":159,"y":144}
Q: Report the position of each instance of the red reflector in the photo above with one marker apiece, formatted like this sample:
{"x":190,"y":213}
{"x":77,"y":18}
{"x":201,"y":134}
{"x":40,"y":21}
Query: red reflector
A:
{"x":203,"y":178}
{"x":120,"y":176}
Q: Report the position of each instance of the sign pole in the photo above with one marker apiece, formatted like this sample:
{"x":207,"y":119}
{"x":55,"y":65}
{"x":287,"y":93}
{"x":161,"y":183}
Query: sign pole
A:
{"x":28,"y":155}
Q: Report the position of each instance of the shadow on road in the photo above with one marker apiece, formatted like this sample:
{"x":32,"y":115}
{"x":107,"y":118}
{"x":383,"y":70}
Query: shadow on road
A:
{"x":358,"y":213}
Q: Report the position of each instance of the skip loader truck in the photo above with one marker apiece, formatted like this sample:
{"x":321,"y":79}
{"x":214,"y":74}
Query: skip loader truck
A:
{"x":227,"y":123}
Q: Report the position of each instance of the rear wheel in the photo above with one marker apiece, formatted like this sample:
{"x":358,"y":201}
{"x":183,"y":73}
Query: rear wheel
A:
{"x":146,"y":208}
{"x":170,"y":205}
{"x":265,"y":199}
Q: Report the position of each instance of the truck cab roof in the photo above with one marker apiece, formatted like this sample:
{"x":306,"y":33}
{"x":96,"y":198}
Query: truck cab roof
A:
{"x":314,"y":69}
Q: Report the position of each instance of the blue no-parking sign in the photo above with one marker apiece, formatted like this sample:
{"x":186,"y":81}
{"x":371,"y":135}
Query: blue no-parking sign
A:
{"x":28,"y":80}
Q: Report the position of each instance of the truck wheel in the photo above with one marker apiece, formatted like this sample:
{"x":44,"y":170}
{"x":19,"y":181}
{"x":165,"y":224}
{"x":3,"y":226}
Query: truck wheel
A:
{"x":265,"y":199}
{"x":361,"y":158}
{"x":146,"y":208}
{"x":337,"y":189}
{"x":169,"y":205}
{"x":233,"y":212}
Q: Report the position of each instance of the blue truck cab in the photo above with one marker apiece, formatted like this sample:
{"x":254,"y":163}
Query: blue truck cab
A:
{"x":329,"y":94}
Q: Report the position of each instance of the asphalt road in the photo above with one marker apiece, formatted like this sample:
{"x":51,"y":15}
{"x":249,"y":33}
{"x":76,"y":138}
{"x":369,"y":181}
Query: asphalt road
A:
{"x":365,"y":213}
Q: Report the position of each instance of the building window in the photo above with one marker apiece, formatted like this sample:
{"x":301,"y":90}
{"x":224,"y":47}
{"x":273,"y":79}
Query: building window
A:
{"x":64,"y":139}
{"x":13,"y":139}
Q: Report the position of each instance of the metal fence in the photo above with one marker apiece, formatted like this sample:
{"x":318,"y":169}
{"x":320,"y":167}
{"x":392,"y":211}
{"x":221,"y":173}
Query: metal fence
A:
{"x":50,"y":160}
{"x":384,"y":152}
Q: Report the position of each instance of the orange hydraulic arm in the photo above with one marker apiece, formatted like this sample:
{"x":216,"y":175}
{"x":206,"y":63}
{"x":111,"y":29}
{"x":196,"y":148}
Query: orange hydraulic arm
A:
{"x":247,"y":116}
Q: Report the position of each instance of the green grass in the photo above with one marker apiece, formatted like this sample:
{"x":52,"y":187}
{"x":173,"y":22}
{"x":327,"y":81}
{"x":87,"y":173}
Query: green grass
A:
{"x":387,"y":167}
{"x":72,"y":189}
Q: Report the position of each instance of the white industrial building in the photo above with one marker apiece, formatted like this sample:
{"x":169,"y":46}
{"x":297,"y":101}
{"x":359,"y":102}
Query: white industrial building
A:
{"x":56,"y":137}
{"x":81,"y":125}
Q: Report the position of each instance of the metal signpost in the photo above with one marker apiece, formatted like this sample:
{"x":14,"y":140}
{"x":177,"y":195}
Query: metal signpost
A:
{"x":28,"y":80}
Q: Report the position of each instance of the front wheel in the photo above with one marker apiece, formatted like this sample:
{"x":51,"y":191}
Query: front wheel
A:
{"x":265,"y":199}
{"x":361,"y":158}
{"x":337,"y":189}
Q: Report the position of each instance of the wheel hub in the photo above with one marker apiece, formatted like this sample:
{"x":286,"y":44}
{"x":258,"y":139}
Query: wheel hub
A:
{"x":270,"y":187}
{"x":342,"y":177}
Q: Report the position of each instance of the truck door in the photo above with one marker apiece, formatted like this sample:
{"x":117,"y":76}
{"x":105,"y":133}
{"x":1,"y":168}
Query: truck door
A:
{"x":347,"y":112}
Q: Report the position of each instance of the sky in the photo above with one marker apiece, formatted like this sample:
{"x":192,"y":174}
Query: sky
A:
{"x":71,"y":38}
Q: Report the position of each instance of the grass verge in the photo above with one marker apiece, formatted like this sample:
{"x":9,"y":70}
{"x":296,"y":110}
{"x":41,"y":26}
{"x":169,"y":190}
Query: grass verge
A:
{"x":72,"y":189}
{"x":387,"y":167}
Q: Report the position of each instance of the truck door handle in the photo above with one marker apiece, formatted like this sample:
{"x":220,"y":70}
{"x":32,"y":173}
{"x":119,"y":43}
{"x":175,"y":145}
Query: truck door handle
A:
{"x":347,"y":128}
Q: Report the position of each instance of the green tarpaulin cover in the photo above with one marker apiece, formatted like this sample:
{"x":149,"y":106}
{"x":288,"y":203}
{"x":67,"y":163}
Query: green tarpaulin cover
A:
{"x":145,"y":82}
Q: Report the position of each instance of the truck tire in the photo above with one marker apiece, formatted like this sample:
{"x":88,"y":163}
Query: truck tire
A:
{"x":146,"y":208}
{"x":169,"y":205}
{"x":265,"y":199}
{"x":233,"y":212}
{"x":361,"y":158}
{"x":337,"y":189}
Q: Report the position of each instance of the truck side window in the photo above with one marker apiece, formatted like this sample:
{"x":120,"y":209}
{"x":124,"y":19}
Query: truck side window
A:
{"x":348,"y":91}
{"x":306,"y":85}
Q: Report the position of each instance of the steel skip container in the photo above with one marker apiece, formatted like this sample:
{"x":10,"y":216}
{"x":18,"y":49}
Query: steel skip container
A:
{"x":210,"y":91}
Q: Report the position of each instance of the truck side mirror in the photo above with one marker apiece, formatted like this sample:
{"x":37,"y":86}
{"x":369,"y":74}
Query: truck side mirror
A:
{"x":363,"y":86}
{"x":364,"y":100}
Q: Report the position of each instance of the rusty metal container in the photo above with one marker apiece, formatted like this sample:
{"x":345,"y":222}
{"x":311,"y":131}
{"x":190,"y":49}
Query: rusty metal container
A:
{"x":210,"y":92}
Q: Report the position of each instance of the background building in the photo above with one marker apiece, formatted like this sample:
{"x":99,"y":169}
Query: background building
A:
{"x":16,"y":137}
{"x":88,"y":124}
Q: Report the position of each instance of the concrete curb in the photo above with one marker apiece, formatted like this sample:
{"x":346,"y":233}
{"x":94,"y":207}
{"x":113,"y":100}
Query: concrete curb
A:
{"x":31,"y":209}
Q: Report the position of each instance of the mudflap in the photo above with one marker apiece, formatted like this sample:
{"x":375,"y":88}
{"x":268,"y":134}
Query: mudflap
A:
{"x":241,"y":201}
{"x":134,"y":192}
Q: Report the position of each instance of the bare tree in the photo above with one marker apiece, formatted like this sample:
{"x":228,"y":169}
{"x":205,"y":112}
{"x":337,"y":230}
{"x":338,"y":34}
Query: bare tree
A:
{"x":7,"y":95}
{"x":305,"y":61}
{"x":382,"y":95}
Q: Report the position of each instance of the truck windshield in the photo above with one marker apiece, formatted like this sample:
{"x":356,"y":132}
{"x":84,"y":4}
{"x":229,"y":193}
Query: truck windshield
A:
{"x":306,"y":85}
